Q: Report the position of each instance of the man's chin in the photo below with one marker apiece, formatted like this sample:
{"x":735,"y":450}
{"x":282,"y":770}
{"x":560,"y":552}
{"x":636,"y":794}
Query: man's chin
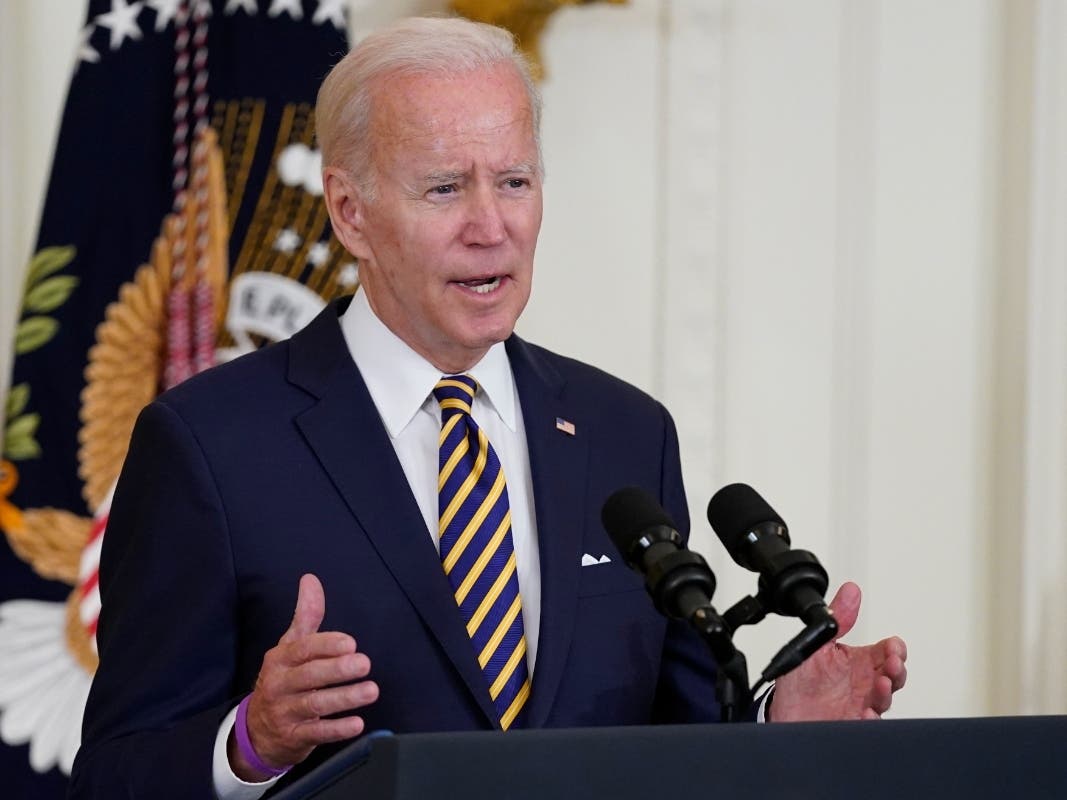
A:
{"x":490,"y":326}
{"x":484,"y":339}
{"x":478,"y":342}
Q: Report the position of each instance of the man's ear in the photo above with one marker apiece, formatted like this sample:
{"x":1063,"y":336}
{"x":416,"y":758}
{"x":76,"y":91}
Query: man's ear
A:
{"x":345,"y":204}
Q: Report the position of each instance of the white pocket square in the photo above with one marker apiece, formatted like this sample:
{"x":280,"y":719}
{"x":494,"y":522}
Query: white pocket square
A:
{"x":592,"y":561}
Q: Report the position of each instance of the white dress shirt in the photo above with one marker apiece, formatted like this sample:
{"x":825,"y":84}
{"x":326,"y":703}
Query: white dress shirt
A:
{"x":401,"y":383}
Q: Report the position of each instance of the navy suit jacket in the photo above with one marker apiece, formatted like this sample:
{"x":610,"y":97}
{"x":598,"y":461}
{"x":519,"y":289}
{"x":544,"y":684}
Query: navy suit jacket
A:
{"x":277,"y":464}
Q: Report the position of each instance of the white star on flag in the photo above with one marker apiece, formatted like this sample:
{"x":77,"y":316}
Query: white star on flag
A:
{"x":85,"y":50}
{"x":248,"y":6}
{"x":348,"y":276}
{"x":332,"y":10}
{"x":121,"y":20}
{"x":287,"y":240}
{"x":165,"y":11}
{"x":292,"y":7}
{"x":318,"y":254}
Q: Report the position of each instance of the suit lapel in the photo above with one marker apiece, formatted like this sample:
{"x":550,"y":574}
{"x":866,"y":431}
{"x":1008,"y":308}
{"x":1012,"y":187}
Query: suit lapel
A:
{"x":375,"y":489}
{"x":558,"y":465}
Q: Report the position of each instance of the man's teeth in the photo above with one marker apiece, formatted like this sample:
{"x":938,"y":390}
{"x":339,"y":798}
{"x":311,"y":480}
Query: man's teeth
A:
{"x":482,"y":287}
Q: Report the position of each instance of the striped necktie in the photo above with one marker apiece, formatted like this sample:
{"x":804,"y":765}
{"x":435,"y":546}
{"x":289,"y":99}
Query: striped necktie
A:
{"x":477,"y":551}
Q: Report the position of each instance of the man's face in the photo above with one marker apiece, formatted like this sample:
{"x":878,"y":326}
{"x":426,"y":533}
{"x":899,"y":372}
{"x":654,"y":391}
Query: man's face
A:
{"x":446,"y":245}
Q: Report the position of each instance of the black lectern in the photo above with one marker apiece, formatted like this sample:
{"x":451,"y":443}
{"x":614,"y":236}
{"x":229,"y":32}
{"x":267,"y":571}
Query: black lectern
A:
{"x":1008,"y":757}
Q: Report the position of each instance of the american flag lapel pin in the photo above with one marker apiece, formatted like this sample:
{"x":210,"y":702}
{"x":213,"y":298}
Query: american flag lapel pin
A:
{"x":565,"y":425}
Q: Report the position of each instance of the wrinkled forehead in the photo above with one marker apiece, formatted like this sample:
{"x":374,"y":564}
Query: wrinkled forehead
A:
{"x":427,"y":107}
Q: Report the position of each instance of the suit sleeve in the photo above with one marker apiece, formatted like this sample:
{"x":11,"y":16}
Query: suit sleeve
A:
{"x":167,"y":631}
{"x":686,"y":689}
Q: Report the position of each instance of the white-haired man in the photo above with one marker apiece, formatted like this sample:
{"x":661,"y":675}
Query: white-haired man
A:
{"x":429,"y":480}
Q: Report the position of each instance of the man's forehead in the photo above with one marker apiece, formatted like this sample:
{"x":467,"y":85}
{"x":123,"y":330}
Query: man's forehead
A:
{"x":442,"y":126}
{"x":484,"y":101}
{"x":436,"y":125}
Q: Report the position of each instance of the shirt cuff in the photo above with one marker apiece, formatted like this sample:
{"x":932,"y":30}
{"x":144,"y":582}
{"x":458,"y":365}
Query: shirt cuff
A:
{"x":227,"y":785}
{"x":764,"y":703}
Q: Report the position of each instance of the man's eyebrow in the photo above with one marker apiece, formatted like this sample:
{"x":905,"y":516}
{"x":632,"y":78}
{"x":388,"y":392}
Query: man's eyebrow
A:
{"x":526,"y":167}
{"x":443,"y":177}
{"x":435,"y":178}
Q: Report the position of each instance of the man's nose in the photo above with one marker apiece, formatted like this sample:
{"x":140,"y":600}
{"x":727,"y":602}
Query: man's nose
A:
{"x":485,"y":222}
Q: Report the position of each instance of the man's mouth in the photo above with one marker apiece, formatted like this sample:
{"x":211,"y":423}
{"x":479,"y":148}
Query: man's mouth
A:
{"x":482,"y":285}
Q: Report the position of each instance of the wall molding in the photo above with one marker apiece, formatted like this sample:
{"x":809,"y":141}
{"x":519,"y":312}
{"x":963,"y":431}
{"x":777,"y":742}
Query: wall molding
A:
{"x":1044,"y":558}
{"x":691,"y":377}
{"x":853,"y":276}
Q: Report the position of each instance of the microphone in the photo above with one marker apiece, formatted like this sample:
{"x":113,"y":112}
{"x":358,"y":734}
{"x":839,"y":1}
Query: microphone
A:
{"x":792,"y":582}
{"x":757,"y":539}
{"x":679,"y":580}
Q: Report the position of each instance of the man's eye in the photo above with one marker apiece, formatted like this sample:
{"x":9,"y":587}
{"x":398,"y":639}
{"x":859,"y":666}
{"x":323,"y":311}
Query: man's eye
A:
{"x":517,"y":183}
{"x":448,"y":188}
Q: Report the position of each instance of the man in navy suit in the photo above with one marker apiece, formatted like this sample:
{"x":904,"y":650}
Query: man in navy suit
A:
{"x":306,"y":476}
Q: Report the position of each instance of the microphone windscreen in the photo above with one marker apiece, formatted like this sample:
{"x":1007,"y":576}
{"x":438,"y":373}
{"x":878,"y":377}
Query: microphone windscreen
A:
{"x":630,"y":512}
{"x":736,"y":509}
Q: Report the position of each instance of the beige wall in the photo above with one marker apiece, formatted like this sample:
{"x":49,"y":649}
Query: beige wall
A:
{"x":813,"y":229}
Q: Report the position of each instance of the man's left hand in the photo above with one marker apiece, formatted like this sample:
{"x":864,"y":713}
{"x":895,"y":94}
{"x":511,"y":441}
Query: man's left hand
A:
{"x":839,"y":681}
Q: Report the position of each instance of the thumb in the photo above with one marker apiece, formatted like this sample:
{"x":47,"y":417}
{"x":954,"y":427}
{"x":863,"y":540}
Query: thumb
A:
{"x":846,"y":607}
{"x":310,"y":608}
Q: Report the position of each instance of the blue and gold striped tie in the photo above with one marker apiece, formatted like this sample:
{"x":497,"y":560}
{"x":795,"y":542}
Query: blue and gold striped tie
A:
{"x":477,"y":551}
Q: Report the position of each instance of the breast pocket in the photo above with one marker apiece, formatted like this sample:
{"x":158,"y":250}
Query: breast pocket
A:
{"x":608,"y":578}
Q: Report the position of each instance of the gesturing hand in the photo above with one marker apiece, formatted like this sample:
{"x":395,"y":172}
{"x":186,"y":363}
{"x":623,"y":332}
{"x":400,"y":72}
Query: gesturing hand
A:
{"x":307,"y":676}
{"x":842,"y":682}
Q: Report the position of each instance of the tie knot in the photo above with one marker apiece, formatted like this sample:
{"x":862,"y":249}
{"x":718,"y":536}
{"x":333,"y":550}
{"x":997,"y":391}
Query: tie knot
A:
{"x":456,"y":392}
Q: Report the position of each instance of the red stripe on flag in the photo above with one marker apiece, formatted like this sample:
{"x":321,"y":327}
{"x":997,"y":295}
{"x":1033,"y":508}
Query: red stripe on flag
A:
{"x":90,"y":583}
{"x":99,"y":526}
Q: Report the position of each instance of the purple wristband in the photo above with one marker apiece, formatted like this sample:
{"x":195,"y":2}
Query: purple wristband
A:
{"x":244,"y":744}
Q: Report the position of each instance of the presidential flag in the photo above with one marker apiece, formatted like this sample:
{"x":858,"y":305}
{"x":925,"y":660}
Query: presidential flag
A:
{"x":183,"y":225}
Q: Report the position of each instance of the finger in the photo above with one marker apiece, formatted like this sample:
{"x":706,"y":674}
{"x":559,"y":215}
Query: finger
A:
{"x":280,"y":730}
{"x":310,"y":609}
{"x":880,"y":698}
{"x":304,"y":737}
{"x":328,"y":644}
{"x":281,"y":676}
{"x":324,"y":672}
{"x":888,"y":657}
{"x":894,"y":645}
{"x":846,"y":607}
{"x":883,"y":656}
{"x":897,"y":672}
{"x":323,"y":731}
{"x":338,"y":700}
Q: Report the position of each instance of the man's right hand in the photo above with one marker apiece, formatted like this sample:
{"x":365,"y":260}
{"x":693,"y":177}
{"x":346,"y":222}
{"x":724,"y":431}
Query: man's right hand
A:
{"x":306,"y":677}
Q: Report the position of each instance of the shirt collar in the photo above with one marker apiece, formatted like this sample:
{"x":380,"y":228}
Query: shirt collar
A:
{"x":400,"y":381}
